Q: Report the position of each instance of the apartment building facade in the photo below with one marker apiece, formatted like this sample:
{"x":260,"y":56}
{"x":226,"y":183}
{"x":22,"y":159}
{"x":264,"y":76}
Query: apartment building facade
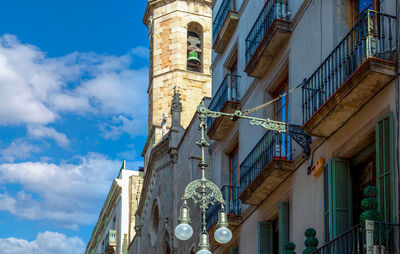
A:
{"x":115,"y":226}
{"x":329,"y":69}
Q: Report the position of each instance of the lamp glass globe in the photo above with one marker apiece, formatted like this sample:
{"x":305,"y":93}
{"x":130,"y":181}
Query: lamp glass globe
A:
{"x":203,"y":252}
{"x":223,"y":235}
{"x":183,"y":231}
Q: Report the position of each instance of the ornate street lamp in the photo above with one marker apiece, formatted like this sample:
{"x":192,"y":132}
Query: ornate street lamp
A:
{"x":205,"y":192}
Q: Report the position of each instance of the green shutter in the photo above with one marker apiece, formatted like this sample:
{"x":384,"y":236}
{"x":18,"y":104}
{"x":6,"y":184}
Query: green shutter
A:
{"x":338,"y":193}
{"x":265,"y":237}
{"x":384,"y":166}
{"x":234,"y":250}
{"x":283,"y":225}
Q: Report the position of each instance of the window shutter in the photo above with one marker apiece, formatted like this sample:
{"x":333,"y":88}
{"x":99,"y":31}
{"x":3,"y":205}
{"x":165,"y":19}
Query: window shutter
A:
{"x":234,"y":250}
{"x":265,"y":237}
{"x":384,"y":166}
{"x":338,"y":204}
{"x":283,"y":225}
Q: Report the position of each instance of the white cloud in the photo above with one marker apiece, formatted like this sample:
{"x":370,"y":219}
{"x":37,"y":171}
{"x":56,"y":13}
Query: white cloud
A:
{"x":141,"y":51}
{"x":18,"y":149}
{"x":36,"y":89}
{"x":45,"y":243}
{"x":120,"y":125}
{"x":48,"y":132}
{"x":70,"y":194}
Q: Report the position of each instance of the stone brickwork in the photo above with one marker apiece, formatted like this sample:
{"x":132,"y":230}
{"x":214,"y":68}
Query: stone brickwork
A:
{"x":167,"y":22}
{"x":135,"y":188}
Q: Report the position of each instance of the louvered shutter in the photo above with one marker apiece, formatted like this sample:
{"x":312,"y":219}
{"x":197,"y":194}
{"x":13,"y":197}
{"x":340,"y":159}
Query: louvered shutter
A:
{"x":283,"y":225}
{"x":384,"y":166}
{"x":265,"y":237}
{"x":338,"y":201}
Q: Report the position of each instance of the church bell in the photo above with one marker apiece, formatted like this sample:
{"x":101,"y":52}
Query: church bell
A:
{"x":194,"y":56}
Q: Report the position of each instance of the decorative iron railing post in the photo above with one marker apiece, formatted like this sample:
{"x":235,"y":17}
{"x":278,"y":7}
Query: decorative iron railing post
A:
{"x":369,"y":235}
{"x":369,"y":34}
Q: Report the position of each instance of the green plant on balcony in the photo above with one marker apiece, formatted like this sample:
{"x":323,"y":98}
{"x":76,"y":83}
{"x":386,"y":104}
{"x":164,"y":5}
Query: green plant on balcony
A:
{"x":311,"y":241}
{"x":290,"y":247}
{"x":369,"y":205}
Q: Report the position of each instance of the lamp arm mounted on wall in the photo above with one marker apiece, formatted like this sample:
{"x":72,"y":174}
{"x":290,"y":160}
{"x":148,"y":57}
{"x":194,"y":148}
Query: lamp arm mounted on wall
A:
{"x":294,"y":131}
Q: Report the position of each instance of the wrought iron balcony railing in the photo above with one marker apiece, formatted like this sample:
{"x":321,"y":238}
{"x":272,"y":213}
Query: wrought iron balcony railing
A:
{"x":273,"y":9}
{"x":366,"y":237}
{"x":219,"y":20}
{"x":271,"y":146}
{"x":227,"y":91}
{"x":111,"y":239}
{"x":233,"y":205}
{"x":372,"y":36}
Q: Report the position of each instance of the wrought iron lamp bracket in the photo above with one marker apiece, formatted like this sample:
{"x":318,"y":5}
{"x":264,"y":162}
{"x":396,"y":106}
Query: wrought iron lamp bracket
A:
{"x":301,"y":138}
{"x":294,"y":131}
{"x":265,"y":123}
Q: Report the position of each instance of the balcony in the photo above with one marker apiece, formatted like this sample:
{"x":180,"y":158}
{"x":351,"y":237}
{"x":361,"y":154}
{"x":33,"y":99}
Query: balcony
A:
{"x":224,"y":26}
{"x":226,"y":99}
{"x":267,"y":166}
{"x":232,"y":208}
{"x":269,"y":34}
{"x":110,"y":242}
{"x":354,"y":72}
{"x":367,"y":237}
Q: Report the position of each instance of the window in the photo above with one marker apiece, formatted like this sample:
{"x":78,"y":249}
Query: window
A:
{"x":234,"y":168}
{"x":232,"y":78}
{"x":274,"y":234}
{"x":194,"y":47}
{"x":363,"y":173}
{"x":281,"y":105}
{"x":234,"y":182}
{"x":345,"y":181}
{"x":113,"y":223}
{"x":280,"y":113}
{"x":359,"y":7}
{"x":154,"y":223}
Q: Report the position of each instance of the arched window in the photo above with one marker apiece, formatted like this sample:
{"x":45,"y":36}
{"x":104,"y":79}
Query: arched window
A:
{"x":194,"y":47}
{"x":154,"y":223}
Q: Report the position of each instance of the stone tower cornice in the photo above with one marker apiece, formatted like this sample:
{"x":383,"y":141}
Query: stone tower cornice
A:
{"x":152,"y":4}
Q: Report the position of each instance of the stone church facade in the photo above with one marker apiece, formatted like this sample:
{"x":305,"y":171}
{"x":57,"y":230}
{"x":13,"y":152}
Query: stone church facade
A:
{"x":179,"y":79}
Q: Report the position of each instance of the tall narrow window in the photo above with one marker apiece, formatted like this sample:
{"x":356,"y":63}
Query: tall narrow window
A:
{"x":359,"y":7}
{"x":234,"y":168}
{"x":234,"y":179}
{"x":281,"y":105}
{"x":194,"y":47}
{"x":280,"y":113}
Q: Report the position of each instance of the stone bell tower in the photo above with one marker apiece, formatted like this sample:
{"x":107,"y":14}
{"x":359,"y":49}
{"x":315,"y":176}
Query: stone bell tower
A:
{"x":180,"y":56}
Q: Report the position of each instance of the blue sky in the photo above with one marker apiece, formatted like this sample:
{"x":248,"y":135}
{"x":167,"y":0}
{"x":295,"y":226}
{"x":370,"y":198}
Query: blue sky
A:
{"x":73,"y":105}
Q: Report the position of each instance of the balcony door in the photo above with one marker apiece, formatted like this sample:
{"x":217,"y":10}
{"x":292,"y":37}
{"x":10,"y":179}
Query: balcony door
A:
{"x":359,"y":7}
{"x":234,"y":179}
{"x":280,"y":113}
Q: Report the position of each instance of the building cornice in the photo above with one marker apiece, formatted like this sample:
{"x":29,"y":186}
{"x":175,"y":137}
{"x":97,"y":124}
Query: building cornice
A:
{"x":152,"y":4}
{"x":108,"y":207}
